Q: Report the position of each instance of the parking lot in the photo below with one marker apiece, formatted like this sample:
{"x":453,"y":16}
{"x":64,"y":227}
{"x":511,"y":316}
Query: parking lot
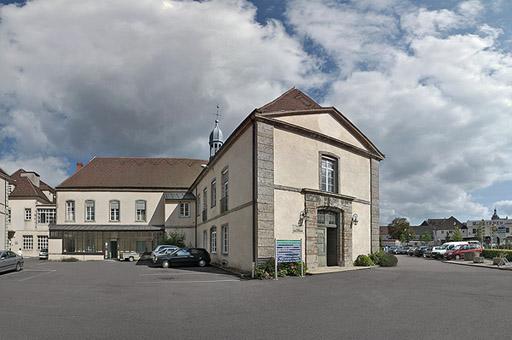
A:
{"x":419,"y":299}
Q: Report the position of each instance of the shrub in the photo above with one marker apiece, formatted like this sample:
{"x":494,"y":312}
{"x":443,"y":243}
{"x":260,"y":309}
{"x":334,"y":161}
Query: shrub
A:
{"x":265,"y":270}
{"x":175,"y":239}
{"x":363,"y":261}
{"x":491,"y":253}
{"x":388,"y":260}
{"x":377,"y":257}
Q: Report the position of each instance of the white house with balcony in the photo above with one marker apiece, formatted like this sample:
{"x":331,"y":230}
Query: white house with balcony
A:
{"x":31,"y":210}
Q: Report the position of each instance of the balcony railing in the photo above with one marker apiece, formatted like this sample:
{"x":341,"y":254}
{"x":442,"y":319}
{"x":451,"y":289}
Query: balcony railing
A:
{"x":224,"y":204}
{"x":205,"y":215}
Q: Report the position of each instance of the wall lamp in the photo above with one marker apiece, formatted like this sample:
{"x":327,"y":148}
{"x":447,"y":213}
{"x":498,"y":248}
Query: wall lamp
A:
{"x":303,"y":215}
{"x":355,"y":219}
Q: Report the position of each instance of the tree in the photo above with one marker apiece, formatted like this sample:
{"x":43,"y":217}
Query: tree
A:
{"x":175,"y":239}
{"x":457,"y":235}
{"x":400,"y":229}
{"x":426,"y":237}
{"x":480,"y":232}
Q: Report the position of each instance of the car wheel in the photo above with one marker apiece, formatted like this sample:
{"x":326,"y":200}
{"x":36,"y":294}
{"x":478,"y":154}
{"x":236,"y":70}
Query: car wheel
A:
{"x":201,"y":263}
{"x":18,"y":267}
{"x":165,"y":264}
{"x":131,"y":259}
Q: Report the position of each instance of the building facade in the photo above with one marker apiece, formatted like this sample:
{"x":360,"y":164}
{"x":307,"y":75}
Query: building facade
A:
{"x":4,"y":209}
{"x":493,"y":231}
{"x":31,"y":210}
{"x":291,"y":170}
{"x":112,"y":205}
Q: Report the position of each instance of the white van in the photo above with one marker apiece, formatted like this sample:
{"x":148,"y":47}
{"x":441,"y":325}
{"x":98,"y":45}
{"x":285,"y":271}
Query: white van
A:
{"x":450,"y":246}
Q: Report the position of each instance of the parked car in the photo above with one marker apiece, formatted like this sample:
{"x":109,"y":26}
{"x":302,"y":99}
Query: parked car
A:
{"x":129,"y":256}
{"x":160,"y":248}
{"x":43,"y":254}
{"x":438,"y":252}
{"x":419,"y":251}
{"x":185,"y":257}
{"x":411,"y":251}
{"x":164,"y":251}
{"x":9,"y":260}
{"x":459,"y":251}
{"x":427,"y":252}
{"x":404,"y":250}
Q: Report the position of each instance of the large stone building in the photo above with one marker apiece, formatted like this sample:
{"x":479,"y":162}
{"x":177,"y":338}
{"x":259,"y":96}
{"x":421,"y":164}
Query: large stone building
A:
{"x":32,"y":210}
{"x":495,"y":231}
{"x":4,"y":208}
{"x":291,"y":170}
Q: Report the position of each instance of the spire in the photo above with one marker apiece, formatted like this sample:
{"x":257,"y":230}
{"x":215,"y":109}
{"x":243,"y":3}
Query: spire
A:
{"x":495,"y":215}
{"x":216,"y":137}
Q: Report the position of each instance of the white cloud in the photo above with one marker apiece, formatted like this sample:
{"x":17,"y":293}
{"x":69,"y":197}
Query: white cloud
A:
{"x":437,"y":102}
{"x":136,"y":77}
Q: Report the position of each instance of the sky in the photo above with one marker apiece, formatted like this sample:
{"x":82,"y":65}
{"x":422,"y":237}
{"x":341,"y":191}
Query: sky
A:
{"x":429,"y":82}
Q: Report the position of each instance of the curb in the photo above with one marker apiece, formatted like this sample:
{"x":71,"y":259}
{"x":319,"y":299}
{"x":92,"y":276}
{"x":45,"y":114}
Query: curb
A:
{"x":478,"y":266}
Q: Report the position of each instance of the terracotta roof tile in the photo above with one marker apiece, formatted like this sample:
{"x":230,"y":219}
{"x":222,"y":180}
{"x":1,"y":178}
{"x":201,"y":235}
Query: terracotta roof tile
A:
{"x":291,"y":100}
{"x":23,"y":188}
{"x":132,"y":172}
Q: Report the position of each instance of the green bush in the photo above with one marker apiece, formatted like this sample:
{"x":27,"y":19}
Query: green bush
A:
{"x":377,"y":257}
{"x":363,"y":261}
{"x":265,"y":270}
{"x":388,"y":260}
{"x":492,"y":253}
{"x":175,"y":239}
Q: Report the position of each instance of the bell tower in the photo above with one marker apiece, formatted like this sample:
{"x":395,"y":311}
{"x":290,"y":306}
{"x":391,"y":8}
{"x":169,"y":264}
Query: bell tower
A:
{"x":216,"y":137}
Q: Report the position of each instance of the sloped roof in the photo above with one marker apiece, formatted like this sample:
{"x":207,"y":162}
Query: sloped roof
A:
{"x":135,"y":173}
{"x":23,"y":188}
{"x":442,"y":223}
{"x":178,"y":196}
{"x":4,"y":175}
{"x":291,"y":100}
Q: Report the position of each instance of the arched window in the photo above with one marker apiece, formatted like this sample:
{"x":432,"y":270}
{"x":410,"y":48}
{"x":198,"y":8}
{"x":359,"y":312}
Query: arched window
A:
{"x":115,"y":210}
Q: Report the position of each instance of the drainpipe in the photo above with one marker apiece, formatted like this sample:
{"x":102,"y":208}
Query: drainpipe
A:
{"x":254,"y":196}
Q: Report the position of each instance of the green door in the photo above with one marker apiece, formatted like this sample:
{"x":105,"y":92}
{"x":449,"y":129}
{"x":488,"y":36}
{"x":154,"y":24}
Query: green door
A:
{"x":322,"y":246}
{"x":113,"y":249}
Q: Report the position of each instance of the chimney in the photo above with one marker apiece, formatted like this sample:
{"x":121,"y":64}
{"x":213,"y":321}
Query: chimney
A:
{"x":79,"y":165}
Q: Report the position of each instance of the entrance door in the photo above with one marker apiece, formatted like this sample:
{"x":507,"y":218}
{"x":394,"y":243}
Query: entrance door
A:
{"x":332,"y":246}
{"x":113,"y":249}
{"x":321,"y":243}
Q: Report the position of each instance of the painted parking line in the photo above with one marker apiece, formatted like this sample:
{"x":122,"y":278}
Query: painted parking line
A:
{"x":180,"y":273}
{"x":189,"y":281}
{"x":41,"y":273}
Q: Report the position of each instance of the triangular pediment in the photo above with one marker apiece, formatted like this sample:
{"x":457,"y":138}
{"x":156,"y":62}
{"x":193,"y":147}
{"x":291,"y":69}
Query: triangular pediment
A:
{"x":291,"y":100}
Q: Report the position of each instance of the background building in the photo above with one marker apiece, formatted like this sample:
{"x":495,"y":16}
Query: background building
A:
{"x":32,"y":210}
{"x":495,"y":230}
{"x":4,"y":209}
{"x":123,"y":204}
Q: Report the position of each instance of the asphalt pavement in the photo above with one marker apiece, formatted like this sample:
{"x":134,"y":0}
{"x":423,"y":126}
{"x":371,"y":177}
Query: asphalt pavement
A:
{"x":418,"y":299}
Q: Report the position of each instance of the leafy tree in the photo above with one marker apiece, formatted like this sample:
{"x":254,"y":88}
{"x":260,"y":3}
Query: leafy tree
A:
{"x":457,"y":235}
{"x":480,"y":232}
{"x":176,"y":239}
{"x":400,"y":229}
{"x":426,"y":237}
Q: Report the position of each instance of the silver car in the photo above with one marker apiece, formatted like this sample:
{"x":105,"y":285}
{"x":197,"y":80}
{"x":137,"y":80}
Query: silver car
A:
{"x":9,"y":260}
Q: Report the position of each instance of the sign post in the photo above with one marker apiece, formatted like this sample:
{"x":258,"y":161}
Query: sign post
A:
{"x":287,"y":251}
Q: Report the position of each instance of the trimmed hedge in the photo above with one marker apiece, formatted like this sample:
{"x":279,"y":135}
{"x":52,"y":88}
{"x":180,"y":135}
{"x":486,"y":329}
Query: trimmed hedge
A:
{"x":363,"y":261}
{"x":492,"y":253}
{"x":384,"y":259}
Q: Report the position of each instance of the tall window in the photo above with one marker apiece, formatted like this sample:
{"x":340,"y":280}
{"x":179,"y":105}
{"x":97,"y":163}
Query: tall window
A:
{"x":205,"y":239}
{"x":225,"y":239}
{"x":198,"y":205}
{"x":28,"y":242}
{"x":140,"y":210}
{"x":90,"y":213}
{"x":205,"y":205}
{"x":42,"y":242}
{"x":28,"y":214}
{"x":115,"y":209}
{"x":70,"y":211}
{"x":45,"y":215}
{"x":225,"y":191}
{"x":328,"y":174}
{"x":213,"y":240}
{"x":213,"y":191}
{"x":184,"y":209}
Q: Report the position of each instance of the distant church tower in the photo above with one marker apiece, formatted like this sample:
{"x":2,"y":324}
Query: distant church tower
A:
{"x":216,"y":139}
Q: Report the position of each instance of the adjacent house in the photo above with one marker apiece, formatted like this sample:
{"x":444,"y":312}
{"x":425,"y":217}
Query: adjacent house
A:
{"x":123,"y":204}
{"x":31,"y":210}
{"x":495,"y":230}
{"x":291,"y":170}
{"x":442,"y":228}
{"x":4,"y":209}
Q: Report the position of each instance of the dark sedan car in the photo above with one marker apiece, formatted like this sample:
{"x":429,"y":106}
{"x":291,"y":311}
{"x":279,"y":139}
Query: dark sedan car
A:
{"x":10,"y":261}
{"x":185,"y":257}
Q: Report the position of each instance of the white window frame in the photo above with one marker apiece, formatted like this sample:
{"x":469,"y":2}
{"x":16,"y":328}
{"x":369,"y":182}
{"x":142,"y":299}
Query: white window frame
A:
{"x":46,"y":215}
{"x":138,"y":212}
{"x":113,"y":212}
{"x":328,"y":174}
{"x":28,"y":214}
{"x":28,"y":242}
{"x":184,"y":209}
{"x":90,"y":211}
{"x":225,"y":239}
{"x":213,"y":240}
{"x":42,"y":242}
{"x":70,"y":211}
